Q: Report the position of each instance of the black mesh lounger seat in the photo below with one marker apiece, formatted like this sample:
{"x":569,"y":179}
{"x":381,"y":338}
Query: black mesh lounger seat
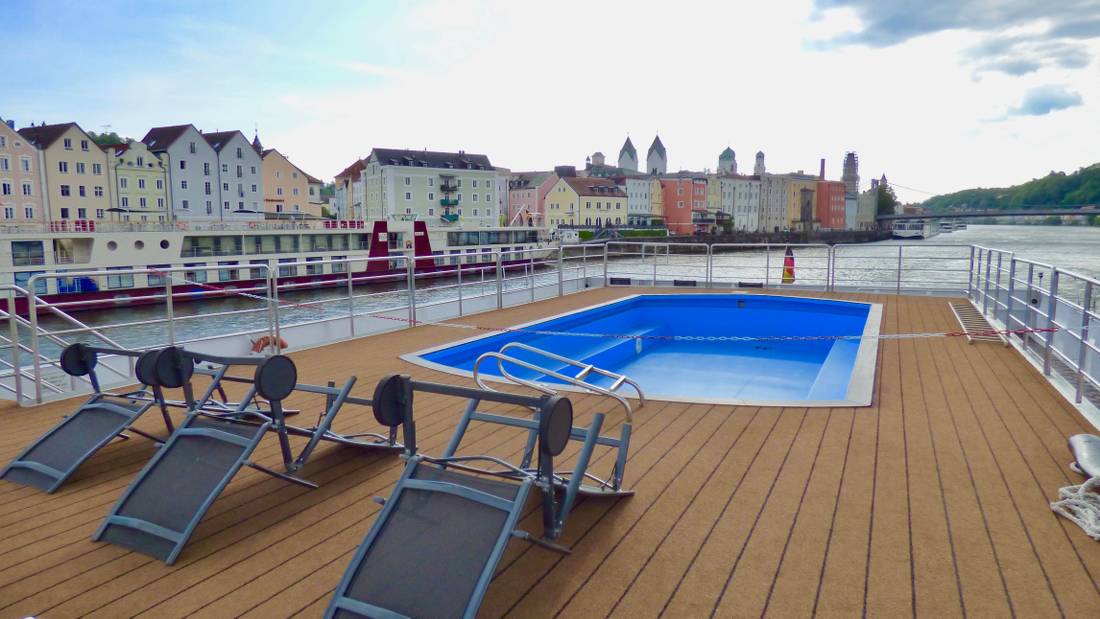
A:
{"x":159,"y":511}
{"x":104,"y":416}
{"x":435,"y":545}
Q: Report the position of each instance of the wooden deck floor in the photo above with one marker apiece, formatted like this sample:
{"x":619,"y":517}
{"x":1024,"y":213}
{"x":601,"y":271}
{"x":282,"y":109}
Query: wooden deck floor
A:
{"x":934,"y":501}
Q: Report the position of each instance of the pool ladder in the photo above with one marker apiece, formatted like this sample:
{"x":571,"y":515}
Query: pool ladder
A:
{"x":577,"y":380}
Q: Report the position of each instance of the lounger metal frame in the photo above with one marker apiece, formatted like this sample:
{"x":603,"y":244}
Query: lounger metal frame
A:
{"x":149,"y":394}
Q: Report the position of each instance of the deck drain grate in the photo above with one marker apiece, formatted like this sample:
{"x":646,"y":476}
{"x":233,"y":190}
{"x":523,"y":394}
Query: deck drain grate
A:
{"x":974,"y":324}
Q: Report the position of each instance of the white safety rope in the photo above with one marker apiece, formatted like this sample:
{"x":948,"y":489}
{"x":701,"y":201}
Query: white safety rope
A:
{"x":1081,"y":506}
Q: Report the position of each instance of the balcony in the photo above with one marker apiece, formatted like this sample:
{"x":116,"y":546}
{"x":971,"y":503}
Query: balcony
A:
{"x":448,"y":188}
{"x":448,"y":202}
{"x":449,"y":218}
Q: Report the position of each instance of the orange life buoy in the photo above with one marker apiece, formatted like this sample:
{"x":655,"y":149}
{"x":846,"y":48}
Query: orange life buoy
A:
{"x":267,"y":341}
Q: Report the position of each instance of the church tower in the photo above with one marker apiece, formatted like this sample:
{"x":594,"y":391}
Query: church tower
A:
{"x":727,"y":162}
{"x":851,"y":175}
{"x":628,"y":156}
{"x":758,"y":169}
{"x":656,"y":161}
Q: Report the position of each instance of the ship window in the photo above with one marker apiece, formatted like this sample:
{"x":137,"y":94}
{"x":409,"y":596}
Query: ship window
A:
{"x":125,"y":280}
{"x":27,"y":253}
{"x":157,"y":279}
{"x":22,"y":279}
{"x":287,"y":271}
{"x":164,"y":243}
{"x":340,"y":267}
{"x":316,"y":267}
{"x":228,"y":275}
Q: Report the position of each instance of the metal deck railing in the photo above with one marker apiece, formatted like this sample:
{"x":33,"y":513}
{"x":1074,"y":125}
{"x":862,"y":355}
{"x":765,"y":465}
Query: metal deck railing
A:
{"x":1011,"y":291}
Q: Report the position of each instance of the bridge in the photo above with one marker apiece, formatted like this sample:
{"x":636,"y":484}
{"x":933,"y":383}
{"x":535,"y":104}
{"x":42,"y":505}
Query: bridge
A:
{"x":1085,"y":211}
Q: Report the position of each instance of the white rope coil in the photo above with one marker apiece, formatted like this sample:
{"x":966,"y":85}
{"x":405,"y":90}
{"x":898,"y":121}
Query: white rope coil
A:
{"x":1081,"y":506}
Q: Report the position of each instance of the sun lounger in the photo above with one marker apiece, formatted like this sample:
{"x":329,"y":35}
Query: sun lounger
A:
{"x":436,"y":543}
{"x":158,"y":513}
{"x":103,"y":417}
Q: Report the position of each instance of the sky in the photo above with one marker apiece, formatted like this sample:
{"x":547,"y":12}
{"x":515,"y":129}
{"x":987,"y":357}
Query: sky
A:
{"x":939,"y":95}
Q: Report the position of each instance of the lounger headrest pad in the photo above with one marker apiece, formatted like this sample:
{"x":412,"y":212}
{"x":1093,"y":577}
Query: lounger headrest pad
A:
{"x":555,"y":424}
{"x":145,"y":368}
{"x":78,"y":360}
{"x":173,"y":368}
{"x":276,"y":377}
{"x":389,"y":403}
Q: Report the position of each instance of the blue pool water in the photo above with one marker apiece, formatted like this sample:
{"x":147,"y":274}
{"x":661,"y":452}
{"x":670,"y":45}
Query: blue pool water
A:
{"x":811,"y":372}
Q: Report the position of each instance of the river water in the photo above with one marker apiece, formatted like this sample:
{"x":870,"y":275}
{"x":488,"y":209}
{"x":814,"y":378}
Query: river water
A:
{"x":942,"y":261}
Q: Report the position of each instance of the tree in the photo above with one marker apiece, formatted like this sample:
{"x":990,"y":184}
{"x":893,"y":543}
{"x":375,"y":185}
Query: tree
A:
{"x":887,"y":200}
{"x":328,"y":189}
{"x":103,"y":139}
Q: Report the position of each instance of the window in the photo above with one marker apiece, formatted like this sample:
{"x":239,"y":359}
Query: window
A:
{"x":431,"y":195}
{"x":141,"y":183}
{"x":27,"y":253}
{"x":64,"y":213}
{"x":295,"y":191}
{"x":475,"y":183}
{"x":225,"y":186}
{"x":278,"y":191}
{"x":27,"y":188}
{"x":5,"y":188}
{"x":99,"y":214}
{"x":25,"y":164}
{"x":5,"y":164}
{"x":191,"y":149}
{"x":79,"y":168}
{"x":253,"y":169}
{"x":122,"y":182}
{"x":240,"y":170}
{"x":209,"y":207}
{"x":240,"y":154}
{"x":475,"y":197}
{"x":254,"y":190}
{"x":206,"y":168}
{"x":65,"y":190}
{"x":63,"y":167}
{"x":22,"y":279}
{"x":160,"y":184}
{"x":141,"y":202}
{"x":81,"y":213}
{"x":408,"y":195}
{"x":488,"y":197}
{"x":225,"y":168}
{"x":184,"y":204}
{"x":228,"y":275}
{"x":160,"y":202}
{"x":68,"y":143}
{"x":195,"y":276}
{"x":28,"y":212}
{"x":475,"y":212}
{"x":125,"y":202}
{"x":408,"y":180}
{"x":183,"y":184}
{"x":98,"y":191}
{"x":431,"y":212}
{"x":3,"y":142}
{"x":207,"y":188}
{"x":183,"y":164}
{"x":431,"y":182}
{"x":97,"y":169}
{"x":120,"y":281}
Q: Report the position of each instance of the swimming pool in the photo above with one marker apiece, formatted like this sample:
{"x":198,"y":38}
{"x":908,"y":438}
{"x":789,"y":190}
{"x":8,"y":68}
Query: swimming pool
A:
{"x":649,"y":347}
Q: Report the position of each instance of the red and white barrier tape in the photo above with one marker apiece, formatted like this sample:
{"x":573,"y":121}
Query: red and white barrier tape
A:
{"x":628,"y":336}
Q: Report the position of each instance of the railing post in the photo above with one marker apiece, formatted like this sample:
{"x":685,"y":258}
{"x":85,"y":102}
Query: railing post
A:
{"x":32,"y":315}
{"x":410,"y":285}
{"x":654,"y":263}
{"x":985,"y":299}
{"x":459,"y":267}
{"x":169,"y":309}
{"x":13,"y":334}
{"x":351,"y":298}
{"x":830,"y":274}
{"x":1082,"y":355}
{"x":970,"y":276}
{"x":1052,"y":307}
{"x":710,"y":264}
{"x":1011,"y":290}
{"x":606,"y":250}
{"x":531,"y":275}
{"x":273,"y":306}
{"x":997,"y":283}
{"x":500,"y":280}
{"x":561,"y":267}
{"x":767,"y":264}
{"x":898,"y":290}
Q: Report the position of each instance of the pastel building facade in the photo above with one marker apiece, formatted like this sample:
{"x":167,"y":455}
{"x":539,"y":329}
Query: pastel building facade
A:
{"x":773,"y":203}
{"x":76,"y":180}
{"x":22,"y":198}
{"x":526,"y":195}
{"x":139,"y":184}
{"x":239,"y":174}
{"x":637,"y":190}
{"x":194,"y":188}
{"x":586,"y":201}
{"x":746,"y":202}
{"x":440,"y":188}
{"x":286,"y":189}
{"x":683,"y":196}
{"x":350,"y":194}
{"x":800,"y":201}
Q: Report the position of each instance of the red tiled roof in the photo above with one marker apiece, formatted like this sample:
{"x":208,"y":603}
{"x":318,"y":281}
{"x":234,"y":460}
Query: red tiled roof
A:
{"x":160,"y":138}
{"x":43,"y":136}
{"x":592,"y":186}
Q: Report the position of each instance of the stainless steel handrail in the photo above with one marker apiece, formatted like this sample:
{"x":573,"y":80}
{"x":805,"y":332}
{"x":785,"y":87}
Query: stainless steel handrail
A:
{"x":620,"y":379}
{"x":501,"y":359}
